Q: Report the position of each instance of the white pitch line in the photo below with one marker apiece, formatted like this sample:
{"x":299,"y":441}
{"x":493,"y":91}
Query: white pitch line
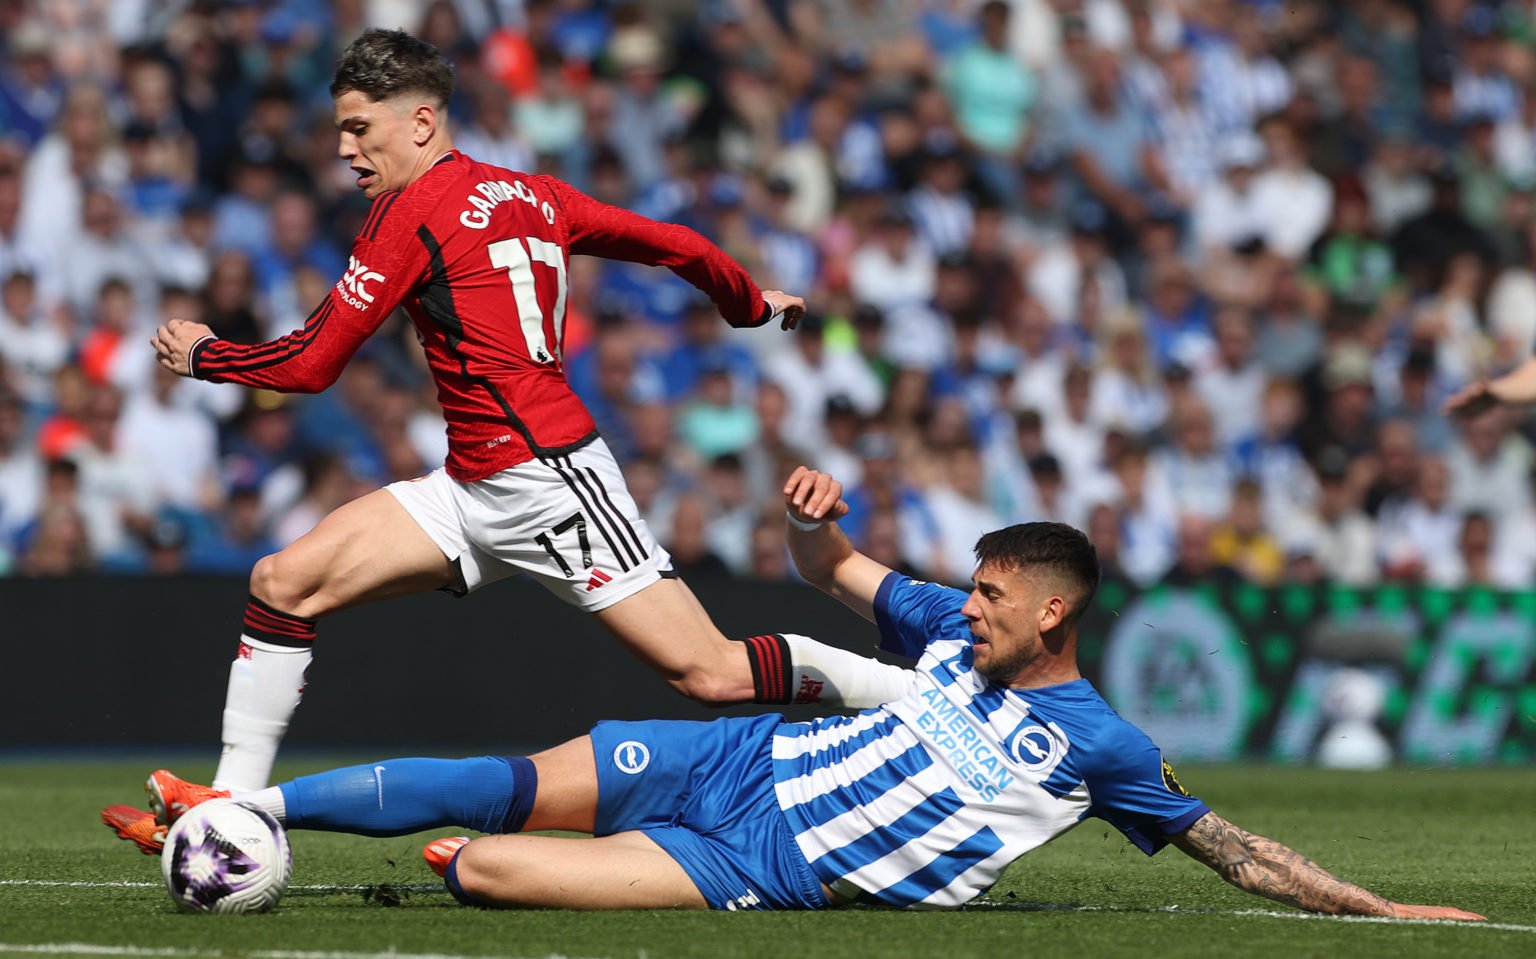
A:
{"x":1384,"y":920}
{"x":85,"y":884}
{"x":1261,"y":913}
{"x":91,"y":949}
{"x":982,"y":905}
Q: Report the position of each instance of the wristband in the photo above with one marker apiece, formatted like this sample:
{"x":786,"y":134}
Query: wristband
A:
{"x":801,"y":525}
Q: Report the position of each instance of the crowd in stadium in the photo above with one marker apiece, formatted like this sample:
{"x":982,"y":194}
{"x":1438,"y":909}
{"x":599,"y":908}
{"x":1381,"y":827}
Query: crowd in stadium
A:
{"x":1192,"y":275}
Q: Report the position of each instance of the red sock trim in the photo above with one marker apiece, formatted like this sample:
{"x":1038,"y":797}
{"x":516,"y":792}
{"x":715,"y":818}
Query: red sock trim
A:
{"x":769,"y":658}
{"x":275,"y":626}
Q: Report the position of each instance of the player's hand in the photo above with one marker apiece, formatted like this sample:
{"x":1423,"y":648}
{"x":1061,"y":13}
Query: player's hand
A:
{"x":1472,"y":401}
{"x":1402,"y":911}
{"x":788,"y":308}
{"x":812,"y":497}
{"x":173,"y":342}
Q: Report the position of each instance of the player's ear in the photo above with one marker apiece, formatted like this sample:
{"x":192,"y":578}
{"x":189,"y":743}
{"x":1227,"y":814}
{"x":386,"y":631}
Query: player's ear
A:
{"x":423,"y":124}
{"x":1053,"y":610}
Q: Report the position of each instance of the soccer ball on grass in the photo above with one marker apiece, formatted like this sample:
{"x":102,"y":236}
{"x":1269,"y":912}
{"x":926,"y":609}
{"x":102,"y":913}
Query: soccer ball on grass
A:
{"x":226,"y":856}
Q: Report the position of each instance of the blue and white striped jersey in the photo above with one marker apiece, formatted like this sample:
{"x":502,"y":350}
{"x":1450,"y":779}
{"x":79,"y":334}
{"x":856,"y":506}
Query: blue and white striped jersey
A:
{"x":924,"y":801}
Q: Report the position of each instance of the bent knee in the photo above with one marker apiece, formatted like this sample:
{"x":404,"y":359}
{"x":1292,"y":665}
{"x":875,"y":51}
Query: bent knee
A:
{"x":283,"y":581}
{"x":487,"y":876}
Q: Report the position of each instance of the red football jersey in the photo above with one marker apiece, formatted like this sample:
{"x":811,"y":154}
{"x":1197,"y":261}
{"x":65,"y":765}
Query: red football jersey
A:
{"x":477,"y":255}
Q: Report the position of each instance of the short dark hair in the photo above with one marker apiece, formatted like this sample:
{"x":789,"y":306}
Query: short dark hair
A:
{"x":1053,"y":548}
{"x":382,"y":63}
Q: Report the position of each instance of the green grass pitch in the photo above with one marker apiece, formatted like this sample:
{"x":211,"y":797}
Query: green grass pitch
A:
{"x":1459,"y":837}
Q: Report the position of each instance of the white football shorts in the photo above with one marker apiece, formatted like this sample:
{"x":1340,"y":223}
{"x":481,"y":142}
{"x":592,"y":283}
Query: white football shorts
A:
{"x":568,"y":521}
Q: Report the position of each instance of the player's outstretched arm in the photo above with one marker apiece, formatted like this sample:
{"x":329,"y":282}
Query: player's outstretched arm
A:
{"x":822,"y":554}
{"x":1268,"y":868}
{"x":1515,"y":388}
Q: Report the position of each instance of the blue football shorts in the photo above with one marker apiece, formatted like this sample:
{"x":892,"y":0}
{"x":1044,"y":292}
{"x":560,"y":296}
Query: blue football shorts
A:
{"x":704,"y":793}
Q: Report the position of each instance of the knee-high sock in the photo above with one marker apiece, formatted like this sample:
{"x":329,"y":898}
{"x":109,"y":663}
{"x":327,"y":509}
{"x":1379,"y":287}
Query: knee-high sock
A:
{"x":491,"y":794}
{"x":787,"y":668}
{"x":266,"y":682}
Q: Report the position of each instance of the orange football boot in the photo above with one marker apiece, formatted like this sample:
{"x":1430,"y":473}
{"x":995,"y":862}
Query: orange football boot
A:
{"x":136,"y":826}
{"x":440,"y":852}
{"x":170,"y":797}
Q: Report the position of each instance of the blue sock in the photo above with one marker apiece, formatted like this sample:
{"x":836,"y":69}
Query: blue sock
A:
{"x":491,"y":794}
{"x":451,"y":880}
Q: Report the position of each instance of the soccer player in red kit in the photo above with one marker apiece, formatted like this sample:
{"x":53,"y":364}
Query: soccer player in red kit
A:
{"x":477,"y":256}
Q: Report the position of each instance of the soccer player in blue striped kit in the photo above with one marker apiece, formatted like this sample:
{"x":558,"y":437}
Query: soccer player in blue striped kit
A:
{"x":998,"y":746}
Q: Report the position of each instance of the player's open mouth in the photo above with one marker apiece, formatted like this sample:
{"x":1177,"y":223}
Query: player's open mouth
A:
{"x":365,"y":177}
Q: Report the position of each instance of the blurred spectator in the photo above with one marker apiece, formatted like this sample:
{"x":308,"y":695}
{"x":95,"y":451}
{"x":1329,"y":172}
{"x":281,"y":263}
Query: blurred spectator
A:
{"x":1345,"y":419}
{"x":1059,"y":273}
{"x":942,"y":212}
{"x":1042,"y":361}
{"x":689,"y":542}
{"x":31,"y":91}
{"x":1291,"y":199}
{"x":715,"y":423}
{"x":178,"y":446}
{"x":490,"y":135}
{"x":296,"y":243}
{"x":1419,"y":531}
{"x":117,"y":489}
{"x":992,"y":93}
{"x":1127,"y":389}
{"x":961,"y":514}
{"x":34,"y":341}
{"x":1148,"y":518}
{"x":165,"y":547}
{"x":884,"y":489}
{"x":1225,"y":213}
{"x":1424,"y":244}
{"x":58,"y":544}
{"x":1195,"y":562}
{"x":239,"y":539}
{"x":1109,"y":147}
{"x":21,"y":471}
{"x":1147,"y":258}
{"x":1241,"y":543}
{"x":1193,"y":464}
{"x":326,"y":487}
{"x":882,"y":542}
{"x":770,"y":552}
{"x":893,"y":269}
{"x":1054,"y":500}
{"x":77,"y":155}
{"x":1269,"y":455}
{"x":1489,"y":465}
{"x":705,"y":345}
{"x":732,"y":512}
{"x":1233,"y":387}
{"x":1472,"y":564}
{"x":1071,"y":432}
{"x":810,"y":372}
{"x":102,"y":250}
{"x":1186,"y":120}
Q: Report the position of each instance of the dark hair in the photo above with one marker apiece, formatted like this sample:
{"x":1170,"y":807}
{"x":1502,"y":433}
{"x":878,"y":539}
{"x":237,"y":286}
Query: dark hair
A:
{"x":382,"y":63}
{"x":1055,"y":549}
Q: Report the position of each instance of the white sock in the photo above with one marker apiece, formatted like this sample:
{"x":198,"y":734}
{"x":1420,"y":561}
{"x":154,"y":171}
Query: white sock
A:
{"x":266,"y":682}
{"x":269,"y":799}
{"x":833,"y":676}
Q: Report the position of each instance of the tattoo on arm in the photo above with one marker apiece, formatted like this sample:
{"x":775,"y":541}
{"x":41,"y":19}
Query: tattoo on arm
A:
{"x":1267,"y":868}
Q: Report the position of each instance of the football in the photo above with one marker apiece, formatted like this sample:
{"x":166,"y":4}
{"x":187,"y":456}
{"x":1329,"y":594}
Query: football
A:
{"x":226,"y":856}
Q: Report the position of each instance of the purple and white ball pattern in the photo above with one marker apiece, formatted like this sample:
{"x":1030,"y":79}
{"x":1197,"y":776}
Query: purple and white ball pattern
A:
{"x":226,"y":856}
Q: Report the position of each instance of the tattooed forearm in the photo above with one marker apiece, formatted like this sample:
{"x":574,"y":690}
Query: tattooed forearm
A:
{"x":1267,"y":868}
